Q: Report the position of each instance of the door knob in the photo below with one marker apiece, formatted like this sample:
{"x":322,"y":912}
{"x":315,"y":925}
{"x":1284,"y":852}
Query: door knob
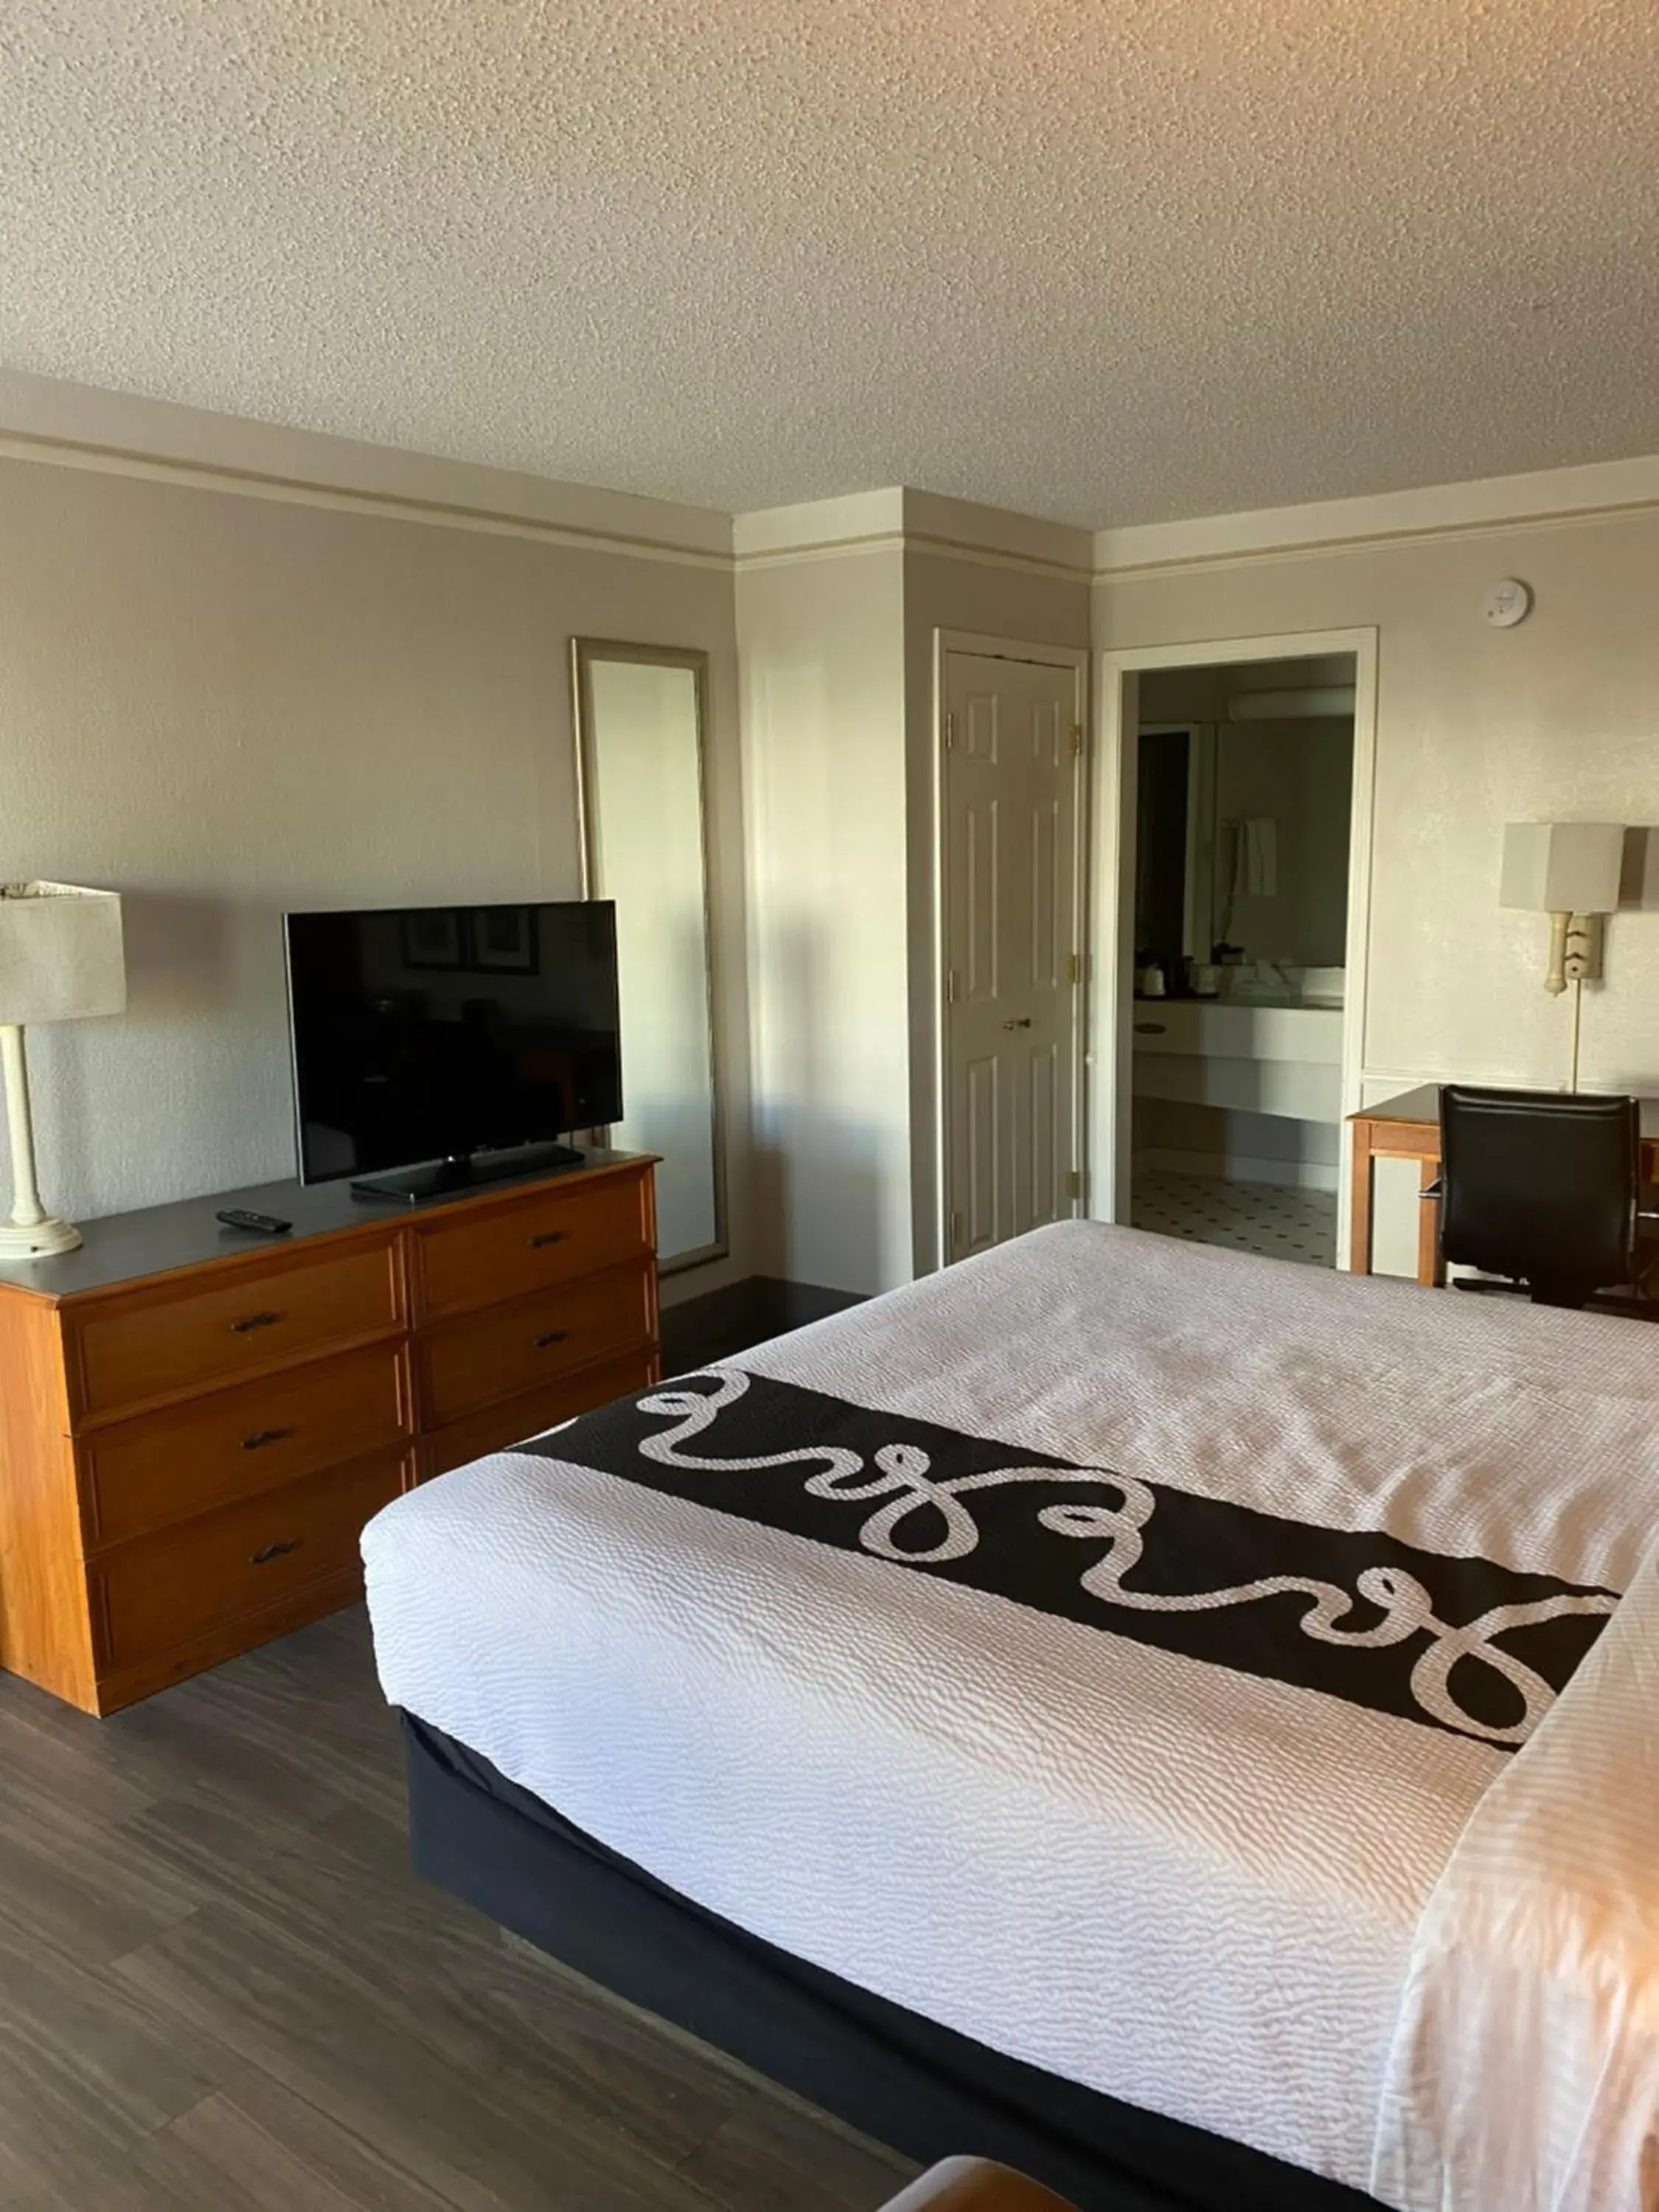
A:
{"x":1020,"y":1021}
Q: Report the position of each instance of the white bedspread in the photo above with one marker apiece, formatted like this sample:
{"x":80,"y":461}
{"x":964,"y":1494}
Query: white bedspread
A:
{"x":1180,"y":1884}
{"x":1525,"y":2068}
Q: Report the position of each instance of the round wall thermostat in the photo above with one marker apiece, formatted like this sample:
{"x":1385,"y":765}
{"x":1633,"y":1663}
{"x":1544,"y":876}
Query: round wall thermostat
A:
{"x":1508,"y":602}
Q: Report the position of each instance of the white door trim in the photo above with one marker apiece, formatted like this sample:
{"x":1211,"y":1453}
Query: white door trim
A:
{"x":1110,"y":1052}
{"x":1077,"y":659}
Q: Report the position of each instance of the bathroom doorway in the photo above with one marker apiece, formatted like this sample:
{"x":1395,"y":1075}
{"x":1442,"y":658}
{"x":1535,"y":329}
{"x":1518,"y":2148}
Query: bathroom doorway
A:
{"x":1243,"y":804}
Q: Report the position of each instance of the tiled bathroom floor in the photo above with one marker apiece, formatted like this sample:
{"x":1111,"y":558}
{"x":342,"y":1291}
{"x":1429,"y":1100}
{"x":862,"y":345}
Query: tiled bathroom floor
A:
{"x":1251,"y":1217}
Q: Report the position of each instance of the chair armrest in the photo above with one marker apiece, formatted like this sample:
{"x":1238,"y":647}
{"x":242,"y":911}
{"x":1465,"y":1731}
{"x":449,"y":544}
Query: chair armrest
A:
{"x":975,"y":2185}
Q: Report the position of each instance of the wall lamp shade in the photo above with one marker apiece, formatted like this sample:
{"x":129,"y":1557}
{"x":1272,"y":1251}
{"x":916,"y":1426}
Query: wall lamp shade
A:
{"x":1571,"y":872}
{"x":1562,"y":867}
{"x":61,"y":959}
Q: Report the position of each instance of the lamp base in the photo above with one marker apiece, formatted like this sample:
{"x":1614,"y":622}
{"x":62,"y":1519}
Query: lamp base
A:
{"x":37,"y":1240}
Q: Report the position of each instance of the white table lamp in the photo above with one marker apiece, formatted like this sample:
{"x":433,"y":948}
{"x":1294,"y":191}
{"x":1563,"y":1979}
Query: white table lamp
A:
{"x":60,"y":959}
{"x":1569,"y":870}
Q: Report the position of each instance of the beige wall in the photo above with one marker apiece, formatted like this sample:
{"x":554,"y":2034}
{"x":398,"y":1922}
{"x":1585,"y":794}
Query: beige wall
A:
{"x":226,"y":705}
{"x":1475,"y":727}
{"x":821,"y":642}
{"x":838,"y":657}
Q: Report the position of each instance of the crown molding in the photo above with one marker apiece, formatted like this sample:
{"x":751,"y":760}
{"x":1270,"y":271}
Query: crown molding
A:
{"x":1483,"y":506}
{"x":849,"y":549}
{"x":47,"y":420}
{"x":859,"y":521}
{"x":959,"y":527}
{"x":125,"y":433}
{"x":901,"y":518}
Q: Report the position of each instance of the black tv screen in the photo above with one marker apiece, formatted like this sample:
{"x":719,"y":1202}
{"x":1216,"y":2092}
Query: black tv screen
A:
{"x":433,"y":1033}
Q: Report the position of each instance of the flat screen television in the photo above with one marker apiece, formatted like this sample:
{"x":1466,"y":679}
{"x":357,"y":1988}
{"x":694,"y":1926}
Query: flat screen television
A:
{"x":451,"y":1044}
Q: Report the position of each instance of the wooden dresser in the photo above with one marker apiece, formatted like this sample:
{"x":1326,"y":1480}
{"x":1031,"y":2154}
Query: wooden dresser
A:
{"x":195,"y":1423}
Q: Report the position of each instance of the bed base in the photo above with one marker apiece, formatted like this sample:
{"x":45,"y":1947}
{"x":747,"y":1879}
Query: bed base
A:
{"x":907,"y":2083}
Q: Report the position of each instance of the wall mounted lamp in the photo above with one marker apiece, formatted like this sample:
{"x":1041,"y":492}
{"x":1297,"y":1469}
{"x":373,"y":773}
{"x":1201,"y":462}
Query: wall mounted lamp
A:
{"x":1569,"y":870}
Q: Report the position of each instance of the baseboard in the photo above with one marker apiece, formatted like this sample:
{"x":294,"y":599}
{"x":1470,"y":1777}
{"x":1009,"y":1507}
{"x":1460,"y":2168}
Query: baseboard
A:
{"x":1287,"y":1174}
{"x":728,"y":1320}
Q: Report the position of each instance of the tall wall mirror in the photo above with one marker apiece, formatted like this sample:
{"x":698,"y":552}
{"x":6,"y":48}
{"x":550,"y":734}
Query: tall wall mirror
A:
{"x":641,"y":713}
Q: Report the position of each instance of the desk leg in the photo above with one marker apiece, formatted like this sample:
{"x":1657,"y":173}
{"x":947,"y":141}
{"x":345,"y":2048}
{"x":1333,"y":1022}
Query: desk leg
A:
{"x":1360,"y":1208}
{"x":1430,"y":1269}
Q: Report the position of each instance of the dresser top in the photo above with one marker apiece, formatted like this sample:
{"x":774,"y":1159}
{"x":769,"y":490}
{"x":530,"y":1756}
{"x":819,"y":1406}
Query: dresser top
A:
{"x":126,"y":1247}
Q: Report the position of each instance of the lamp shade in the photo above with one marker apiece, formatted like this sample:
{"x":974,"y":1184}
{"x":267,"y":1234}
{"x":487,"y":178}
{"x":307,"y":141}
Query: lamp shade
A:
{"x":60,"y":954}
{"x":1562,"y":867}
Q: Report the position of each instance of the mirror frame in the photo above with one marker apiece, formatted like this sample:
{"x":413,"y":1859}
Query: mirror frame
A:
{"x":583,"y":652}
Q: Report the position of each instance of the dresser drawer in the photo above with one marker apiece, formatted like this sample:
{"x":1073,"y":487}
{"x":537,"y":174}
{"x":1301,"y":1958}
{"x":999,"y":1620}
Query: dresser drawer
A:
{"x":214,"y":1327}
{"x":511,"y":1350}
{"x":143,"y":1474}
{"x":506,"y":1252}
{"x":513,"y":1421}
{"x":163,"y":1589}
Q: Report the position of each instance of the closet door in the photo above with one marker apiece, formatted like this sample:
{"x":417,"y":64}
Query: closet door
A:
{"x":1011,"y":878}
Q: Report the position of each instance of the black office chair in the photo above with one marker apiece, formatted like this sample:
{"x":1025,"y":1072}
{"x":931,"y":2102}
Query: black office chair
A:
{"x":1543,"y":1189}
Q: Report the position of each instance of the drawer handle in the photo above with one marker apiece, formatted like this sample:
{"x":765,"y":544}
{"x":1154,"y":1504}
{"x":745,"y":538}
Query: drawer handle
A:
{"x":261,"y":1438}
{"x":553,"y":1336}
{"x":251,"y":1321}
{"x":277,"y":1550}
{"x":548,"y":1237}
{"x":1151,"y":1028}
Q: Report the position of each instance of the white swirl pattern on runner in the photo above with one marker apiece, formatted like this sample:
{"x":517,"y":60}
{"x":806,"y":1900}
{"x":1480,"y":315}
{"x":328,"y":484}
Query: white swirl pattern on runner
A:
{"x":902,"y":1478}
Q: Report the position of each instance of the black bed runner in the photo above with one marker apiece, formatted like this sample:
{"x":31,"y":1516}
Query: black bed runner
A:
{"x":1458,"y":1643}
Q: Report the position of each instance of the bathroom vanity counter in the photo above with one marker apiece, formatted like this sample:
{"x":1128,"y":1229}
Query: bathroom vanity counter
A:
{"x":1256,"y":1057}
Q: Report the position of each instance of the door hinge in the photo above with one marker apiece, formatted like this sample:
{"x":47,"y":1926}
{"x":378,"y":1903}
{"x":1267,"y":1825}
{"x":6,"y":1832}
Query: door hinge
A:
{"x":956,"y":1232}
{"x":1074,"y":967}
{"x":1074,"y":1183}
{"x":952,"y":987}
{"x":950,"y":732}
{"x":1078,"y":740}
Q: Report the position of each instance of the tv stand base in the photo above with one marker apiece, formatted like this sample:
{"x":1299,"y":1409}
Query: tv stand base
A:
{"x":476,"y":1171}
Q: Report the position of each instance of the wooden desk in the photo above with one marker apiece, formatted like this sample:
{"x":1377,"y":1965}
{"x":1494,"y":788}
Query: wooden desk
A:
{"x":1407,"y":1127}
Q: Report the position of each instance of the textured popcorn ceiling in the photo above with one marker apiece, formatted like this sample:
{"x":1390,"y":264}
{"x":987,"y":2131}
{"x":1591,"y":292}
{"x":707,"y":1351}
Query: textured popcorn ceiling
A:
{"x":1107,"y":260}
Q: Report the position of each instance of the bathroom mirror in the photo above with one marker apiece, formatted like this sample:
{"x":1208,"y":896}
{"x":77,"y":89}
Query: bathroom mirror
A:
{"x":1242,"y":838}
{"x":641,"y":713}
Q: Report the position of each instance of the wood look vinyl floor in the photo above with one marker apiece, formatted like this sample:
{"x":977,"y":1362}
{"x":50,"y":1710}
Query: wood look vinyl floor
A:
{"x":221,"y":1987}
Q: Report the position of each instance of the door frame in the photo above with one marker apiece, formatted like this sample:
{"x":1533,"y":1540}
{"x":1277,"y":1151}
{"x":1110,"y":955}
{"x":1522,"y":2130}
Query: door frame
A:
{"x":1078,"y":658}
{"x":1111,"y":937}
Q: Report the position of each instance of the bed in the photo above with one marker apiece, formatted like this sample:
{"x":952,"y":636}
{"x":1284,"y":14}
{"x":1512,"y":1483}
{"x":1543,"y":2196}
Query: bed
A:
{"x":1180,"y":1722}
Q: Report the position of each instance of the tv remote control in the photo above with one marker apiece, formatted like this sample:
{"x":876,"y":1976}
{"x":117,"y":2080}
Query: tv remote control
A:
{"x":263,"y":1225}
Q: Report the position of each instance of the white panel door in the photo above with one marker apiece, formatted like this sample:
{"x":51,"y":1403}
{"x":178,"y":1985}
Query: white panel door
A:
{"x":1012,"y":928}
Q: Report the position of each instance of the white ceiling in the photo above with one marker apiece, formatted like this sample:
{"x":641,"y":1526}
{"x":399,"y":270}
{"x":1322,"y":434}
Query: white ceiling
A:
{"x":1105,"y":260}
